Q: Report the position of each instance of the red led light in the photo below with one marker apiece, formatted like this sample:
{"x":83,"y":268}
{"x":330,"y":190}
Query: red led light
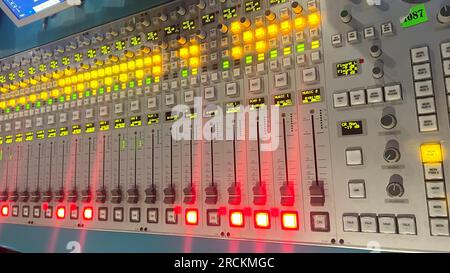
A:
{"x":88,"y":213}
{"x":5,"y":210}
{"x":61,"y":213}
{"x":262,"y":219}
{"x":191,"y":216}
{"x":289,"y":220}
{"x":236,"y":218}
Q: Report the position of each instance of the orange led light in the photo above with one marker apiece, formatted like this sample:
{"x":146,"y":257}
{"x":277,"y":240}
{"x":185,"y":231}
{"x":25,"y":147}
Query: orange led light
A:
{"x":285,"y":27}
{"x":156,"y":70}
{"x":272,"y":30}
{"x":289,"y":220}
{"x":236,"y":218}
{"x":300,"y":23}
{"x":5,"y":210}
{"x":194,"y":62}
{"x":236,"y":52}
{"x":184,"y":53}
{"x":261,"y":46}
{"x":247,"y":36}
{"x":262,"y":219}
{"x":61,"y":213}
{"x":156,"y":59}
{"x":191,"y":217}
{"x":260,"y":33}
{"x":314,"y":19}
{"x":140,"y":63}
{"x":236,"y":27}
{"x":88,"y":213}
{"x":194,"y":50}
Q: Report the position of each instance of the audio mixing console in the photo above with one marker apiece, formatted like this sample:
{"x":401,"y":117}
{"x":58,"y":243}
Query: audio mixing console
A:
{"x":308,"y":122}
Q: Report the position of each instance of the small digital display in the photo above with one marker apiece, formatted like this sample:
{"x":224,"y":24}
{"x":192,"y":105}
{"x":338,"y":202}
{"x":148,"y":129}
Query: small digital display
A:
{"x":8,"y":139}
{"x":31,"y":70}
{"x":191,"y":114}
{"x":91,"y":53}
{"x":256,"y":103}
{"x":119,"y":123}
{"x":19,"y":138}
{"x":208,"y":19}
{"x":29,"y":136}
{"x":42,"y":68}
{"x":54,"y":64}
{"x":90,"y":128}
{"x":188,"y":25}
{"x":119,"y":45}
{"x":51,"y":133}
{"x":78,"y":57}
{"x":283,"y":100}
{"x":21,"y":73}
{"x":23,"y":9}
{"x":105,"y":49}
{"x":171,"y":29}
{"x":229,"y":13}
{"x":171,"y":117}
{"x":65,"y":61}
{"x":152,"y":119}
{"x":233,"y":107}
{"x":275,"y":2}
{"x":251,"y":6}
{"x":104,"y":125}
{"x":1,"y":140}
{"x":352,"y":127}
{"x":2,"y":79}
{"x":152,"y":36}
{"x":64,"y":131}
{"x":311,"y":96}
{"x":11,"y":76}
{"x":135,"y":41}
{"x":40,"y":134}
{"x":136,"y":121}
{"x":76,"y":129}
{"x":347,"y":68}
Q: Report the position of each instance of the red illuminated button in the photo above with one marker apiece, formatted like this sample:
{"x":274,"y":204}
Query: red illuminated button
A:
{"x":61,"y":212}
{"x":289,"y":220}
{"x":5,"y":210}
{"x":88,"y":213}
{"x":262,"y":219}
{"x":236,"y":218}
{"x":191,"y":216}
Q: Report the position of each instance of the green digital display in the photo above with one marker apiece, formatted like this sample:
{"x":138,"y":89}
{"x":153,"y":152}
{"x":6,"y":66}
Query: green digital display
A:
{"x":208,"y":19}
{"x":233,"y":107}
{"x":152,"y":119}
{"x":256,"y":103}
{"x":417,"y":15}
{"x":11,"y":76}
{"x":347,"y":68}
{"x":29,"y":136}
{"x":283,"y":100}
{"x":31,"y":70}
{"x":2,"y":79}
{"x":352,"y":127}
{"x":42,"y":67}
{"x":229,"y":13}
{"x":311,"y":96}
{"x":51,"y":133}
{"x":119,"y":123}
{"x":54,"y":64}
{"x":65,"y":61}
{"x":119,"y":45}
{"x":90,"y":128}
{"x":171,"y":29}
{"x":135,"y":41}
{"x":105,"y":49}
{"x":104,"y":125}
{"x":91,"y":53}
{"x":171,"y":117}
{"x":19,"y":138}
{"x":135,"y":121}
{"x":40,"y":134}
{"x":76,"y":129}
{"x":152,"y":36}
{"x":64,"y":131}
{"x":275,"y":2}
{"x":188,"y":25}
{"x":78,"y":57}
{"x":251,"y":6}
{"x":21,"y":73}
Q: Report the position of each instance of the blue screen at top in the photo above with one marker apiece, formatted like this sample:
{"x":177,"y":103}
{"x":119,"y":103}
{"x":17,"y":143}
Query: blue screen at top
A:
{"x":25,"y":8}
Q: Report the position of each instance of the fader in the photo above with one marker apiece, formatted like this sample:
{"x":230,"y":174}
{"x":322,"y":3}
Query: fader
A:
{"x":309,"y":122}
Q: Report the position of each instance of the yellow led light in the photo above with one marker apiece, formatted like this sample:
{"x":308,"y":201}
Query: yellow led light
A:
{"x":23,"y":84}
{"x":236,"y":27}
{"x":194,"y":50}
{"x":261,"y":46}
{"x":12,"y":102}
{"x":148,"y":61}
{"x":94,"y":84}
{"x":300,"y":23}
{"x":157,"y":59}
{"x":431,"y":153}
{"x":314,"y":19}
{"x":123,"y":67}
{"x":184,"y":53}
{"x":129,"y":54}
{"x":108,"y":71}
{"x":80,"y":77}
{"x":3,"y":89}
{"x":285,"y":27}
{"x":140,"y":63}
{"x":272,"y":30}
{"x":22,"y":100}
{"x":61,"y":83}
{"x":131,"y":65}
{"x":12,"y":87}
{"x":33,"y":98}
{"x":55,"y":93}
{"x":315,"y":44}
{"x":236,"y":52}
{"x":156,"y":70}
{"x":87,"y":76}
{"x":45,"y":78}
{"x":44,"y":95}
{"x":56,"y":74}
{"x":2,"y":105}
{"x":80,"y":87}
{"x":247,"y":36}
{"x":101,"y":72}
{"x":108,"y":81}
{"x":69,"y":71}
{"x":116,"y":69}
{"x":67,"y":90}
{"x":34,"y":81}
{"x":260,"y":33}
{"x":139,"y":74}
{"x":74,"y":79}
{"x":67,"y":81}
{"x":194,"y":62}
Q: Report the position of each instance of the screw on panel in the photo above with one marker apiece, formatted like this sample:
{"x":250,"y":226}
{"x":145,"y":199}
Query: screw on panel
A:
{"x":341,"y":241}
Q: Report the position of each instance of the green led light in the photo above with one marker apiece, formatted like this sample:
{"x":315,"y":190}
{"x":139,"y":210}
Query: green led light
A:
{"x":8,"y":110}
{"x":116,"y":87}
{"x":17,"y":108}
{"x":132,"y":84}
{"x":101,"y":91}
{"x":300,"y":48}
{"x":273,"y":54}
{"x":50,"y":101}
{"x":315,"y":44}
{"x":148,"y":81}
{"x":74,"y":96}
{"x":287,"y":51}
{"x":261,"y":57}
{"x":226,"y":65}
{"x":61,"y":99}
{"x":88,"y":94}
{"x":184,"y":73}
{"x":38,"y":104}
{"x":27,"y":106}
{"x":248,"y":59}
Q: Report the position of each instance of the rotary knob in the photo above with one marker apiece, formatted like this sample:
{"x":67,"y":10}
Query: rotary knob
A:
{"x":377,"y":71}
{"x":181,"y":10}
{"x":444,"y":14}
{"x":346,"y":17}
{"x":388,"y":121}
{"x":162,"y":16}
{"x":395,"y":189}
{"x":375,"y":51}
{"x":296,"y":7}
{"x":391,"y":155}
{"x":201,"y":34}
{"x":201,"y":4}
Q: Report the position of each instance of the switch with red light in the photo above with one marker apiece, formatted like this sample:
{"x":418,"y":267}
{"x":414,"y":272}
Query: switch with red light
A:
{"x":61,"y":212}
{"x":236,"y":218}
{"x":5,"y":210}
{"x":169,"y":195}
{"x":191,"y":216}
{"x":189,"y":195}
{"x":289,"y":220}
{"x":88,"y":213}
{"x":150,"y":195}
{"x":234,"y":195}
{"x":262,"y":219}
{"x":287,"y":195}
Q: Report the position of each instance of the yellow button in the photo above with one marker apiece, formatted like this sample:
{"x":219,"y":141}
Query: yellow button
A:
{"x":300,"y":23}
{"x":314,"y":19}
{"x":194,"y":50}
{"x":431,"y":152}
{"x":184,"y":53}
{"x":247,"y":36}
{"x":235,"y":27}
{"x":272,"y":30}
{"x":260,"y":33}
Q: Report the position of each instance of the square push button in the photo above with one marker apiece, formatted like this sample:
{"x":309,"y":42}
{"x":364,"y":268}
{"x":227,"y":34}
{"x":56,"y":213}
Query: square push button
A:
{"x":49,"y":212}
{"x":340,"y":99}
{"x":36,"y":211}
{"x":351,"y":222}
{"x":26,"y":211}
{"x":406,"y":224}
{"x":358,"y":97}
{"x":393,"y":92}
{"x":428,"y":123}
{"x":320,"y":221}
{"x":435,"y":189}
{"x":357,"y":189}
{"x":135,"y":215}
{"x":152,"y":215}
{"x":374,"y":95}
{"x":103,"y":214}
{"x":437,"y":208}
{"x":74,"y":213}
{"x":433,"y":171}
{"x":369,"y":223}
{"x":387,"y":224}
{"x":424,"y":89}
{"x":118,"y":214}
{"x":420,"y":55}
{"x":439,"y":227}
{"x":171,"y":217}
{"x":354,"y":157}
{"x":212,"y":218}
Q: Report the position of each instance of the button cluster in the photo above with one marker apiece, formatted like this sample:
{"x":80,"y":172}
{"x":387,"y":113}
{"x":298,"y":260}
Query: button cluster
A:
{"x":424,"y":91}
{"x":369,"y":33}
{"x":445,"y":55}
{"x":373,"y":95}
{"x":435,"y":188}
{"x":404,"y":224}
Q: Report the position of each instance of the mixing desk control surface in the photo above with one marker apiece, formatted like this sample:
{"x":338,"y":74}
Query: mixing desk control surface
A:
{"x":314,"y":122}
